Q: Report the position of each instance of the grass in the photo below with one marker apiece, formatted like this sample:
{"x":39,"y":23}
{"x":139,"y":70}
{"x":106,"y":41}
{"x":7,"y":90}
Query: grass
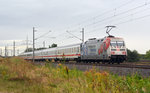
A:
{"x":19,"y":76}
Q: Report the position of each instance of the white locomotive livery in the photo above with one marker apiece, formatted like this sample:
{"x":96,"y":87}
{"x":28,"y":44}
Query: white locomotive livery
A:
{"x":108,"y":49}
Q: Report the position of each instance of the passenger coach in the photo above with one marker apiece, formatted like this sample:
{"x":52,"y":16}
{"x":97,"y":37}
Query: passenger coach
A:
{"x":70,"y":52}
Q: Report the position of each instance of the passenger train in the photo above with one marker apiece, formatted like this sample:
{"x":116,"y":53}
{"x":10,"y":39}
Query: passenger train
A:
{"x":109,"y":49}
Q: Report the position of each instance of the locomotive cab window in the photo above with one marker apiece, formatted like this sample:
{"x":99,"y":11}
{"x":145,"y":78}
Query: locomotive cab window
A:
{"x":120,"y":43}
{"x":113,"y":43}
{"x":117,"y":43}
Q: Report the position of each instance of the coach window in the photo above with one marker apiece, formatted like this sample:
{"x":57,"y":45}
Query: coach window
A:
{"x":79,"y":49}
{"x":60,"y":51}
{"x":67,"y":50}
{"x":71,"y":50}
{"x":63,"y":50}
{"x":75,"y":49}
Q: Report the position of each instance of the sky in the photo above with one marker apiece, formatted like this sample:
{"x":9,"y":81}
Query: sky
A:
{"x":52,"y":18}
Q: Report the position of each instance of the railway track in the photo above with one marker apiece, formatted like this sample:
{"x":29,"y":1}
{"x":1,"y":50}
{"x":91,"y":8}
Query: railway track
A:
{"x":119,"y":69}
{"x":112,"y":65}
{"x":122,"y":65}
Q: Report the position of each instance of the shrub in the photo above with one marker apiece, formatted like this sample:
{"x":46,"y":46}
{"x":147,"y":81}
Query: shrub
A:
{"x":133,"y":56}
{"x":147,"y":54}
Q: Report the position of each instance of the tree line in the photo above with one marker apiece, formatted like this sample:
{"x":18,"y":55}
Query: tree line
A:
{"x":134,"y":56}
{"x":41,"y":48}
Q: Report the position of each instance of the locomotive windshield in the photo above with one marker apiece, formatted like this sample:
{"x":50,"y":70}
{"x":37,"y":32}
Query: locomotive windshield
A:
{"x":113,"y":43}
{"x":117,"y":43}
{"x":120,"y":43}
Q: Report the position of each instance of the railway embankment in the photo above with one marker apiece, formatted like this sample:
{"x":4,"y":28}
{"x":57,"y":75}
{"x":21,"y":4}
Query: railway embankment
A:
{"x":122,"y":70}
{"x":20,"y":76}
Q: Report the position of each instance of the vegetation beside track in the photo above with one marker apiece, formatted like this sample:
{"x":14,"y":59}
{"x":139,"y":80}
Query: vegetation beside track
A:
{"x":19,"y":76}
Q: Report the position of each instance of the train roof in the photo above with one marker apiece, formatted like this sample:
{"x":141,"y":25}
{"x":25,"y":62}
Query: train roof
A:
{"x":54,"y":48}
{"x":92,"y":40}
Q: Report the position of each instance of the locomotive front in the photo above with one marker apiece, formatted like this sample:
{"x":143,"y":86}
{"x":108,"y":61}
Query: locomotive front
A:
{"x":118,"y":51}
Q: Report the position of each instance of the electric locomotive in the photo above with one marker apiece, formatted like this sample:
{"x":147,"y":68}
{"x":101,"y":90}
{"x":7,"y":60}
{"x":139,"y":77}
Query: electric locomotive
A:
{"x":108,"y":49}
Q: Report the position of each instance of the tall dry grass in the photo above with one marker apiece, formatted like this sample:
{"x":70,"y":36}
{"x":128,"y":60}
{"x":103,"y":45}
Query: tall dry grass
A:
{"x":24,"y":77}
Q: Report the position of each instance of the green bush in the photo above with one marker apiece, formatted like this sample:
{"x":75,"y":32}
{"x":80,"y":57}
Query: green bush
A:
{"x":147,"y":55}
{"x":133,"y":56}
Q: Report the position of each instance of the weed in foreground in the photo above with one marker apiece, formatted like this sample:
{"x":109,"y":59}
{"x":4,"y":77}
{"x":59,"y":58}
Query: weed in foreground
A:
{"x":19,"y":76}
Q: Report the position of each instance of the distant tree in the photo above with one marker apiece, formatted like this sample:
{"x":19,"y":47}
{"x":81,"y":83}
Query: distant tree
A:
{"x":133,"y":56}
{"x":41,"y":48}
{"x":147,"y":54}
{"x":53,"y":45}
{"x":142,"y":56}
{"x":29,"y":50}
